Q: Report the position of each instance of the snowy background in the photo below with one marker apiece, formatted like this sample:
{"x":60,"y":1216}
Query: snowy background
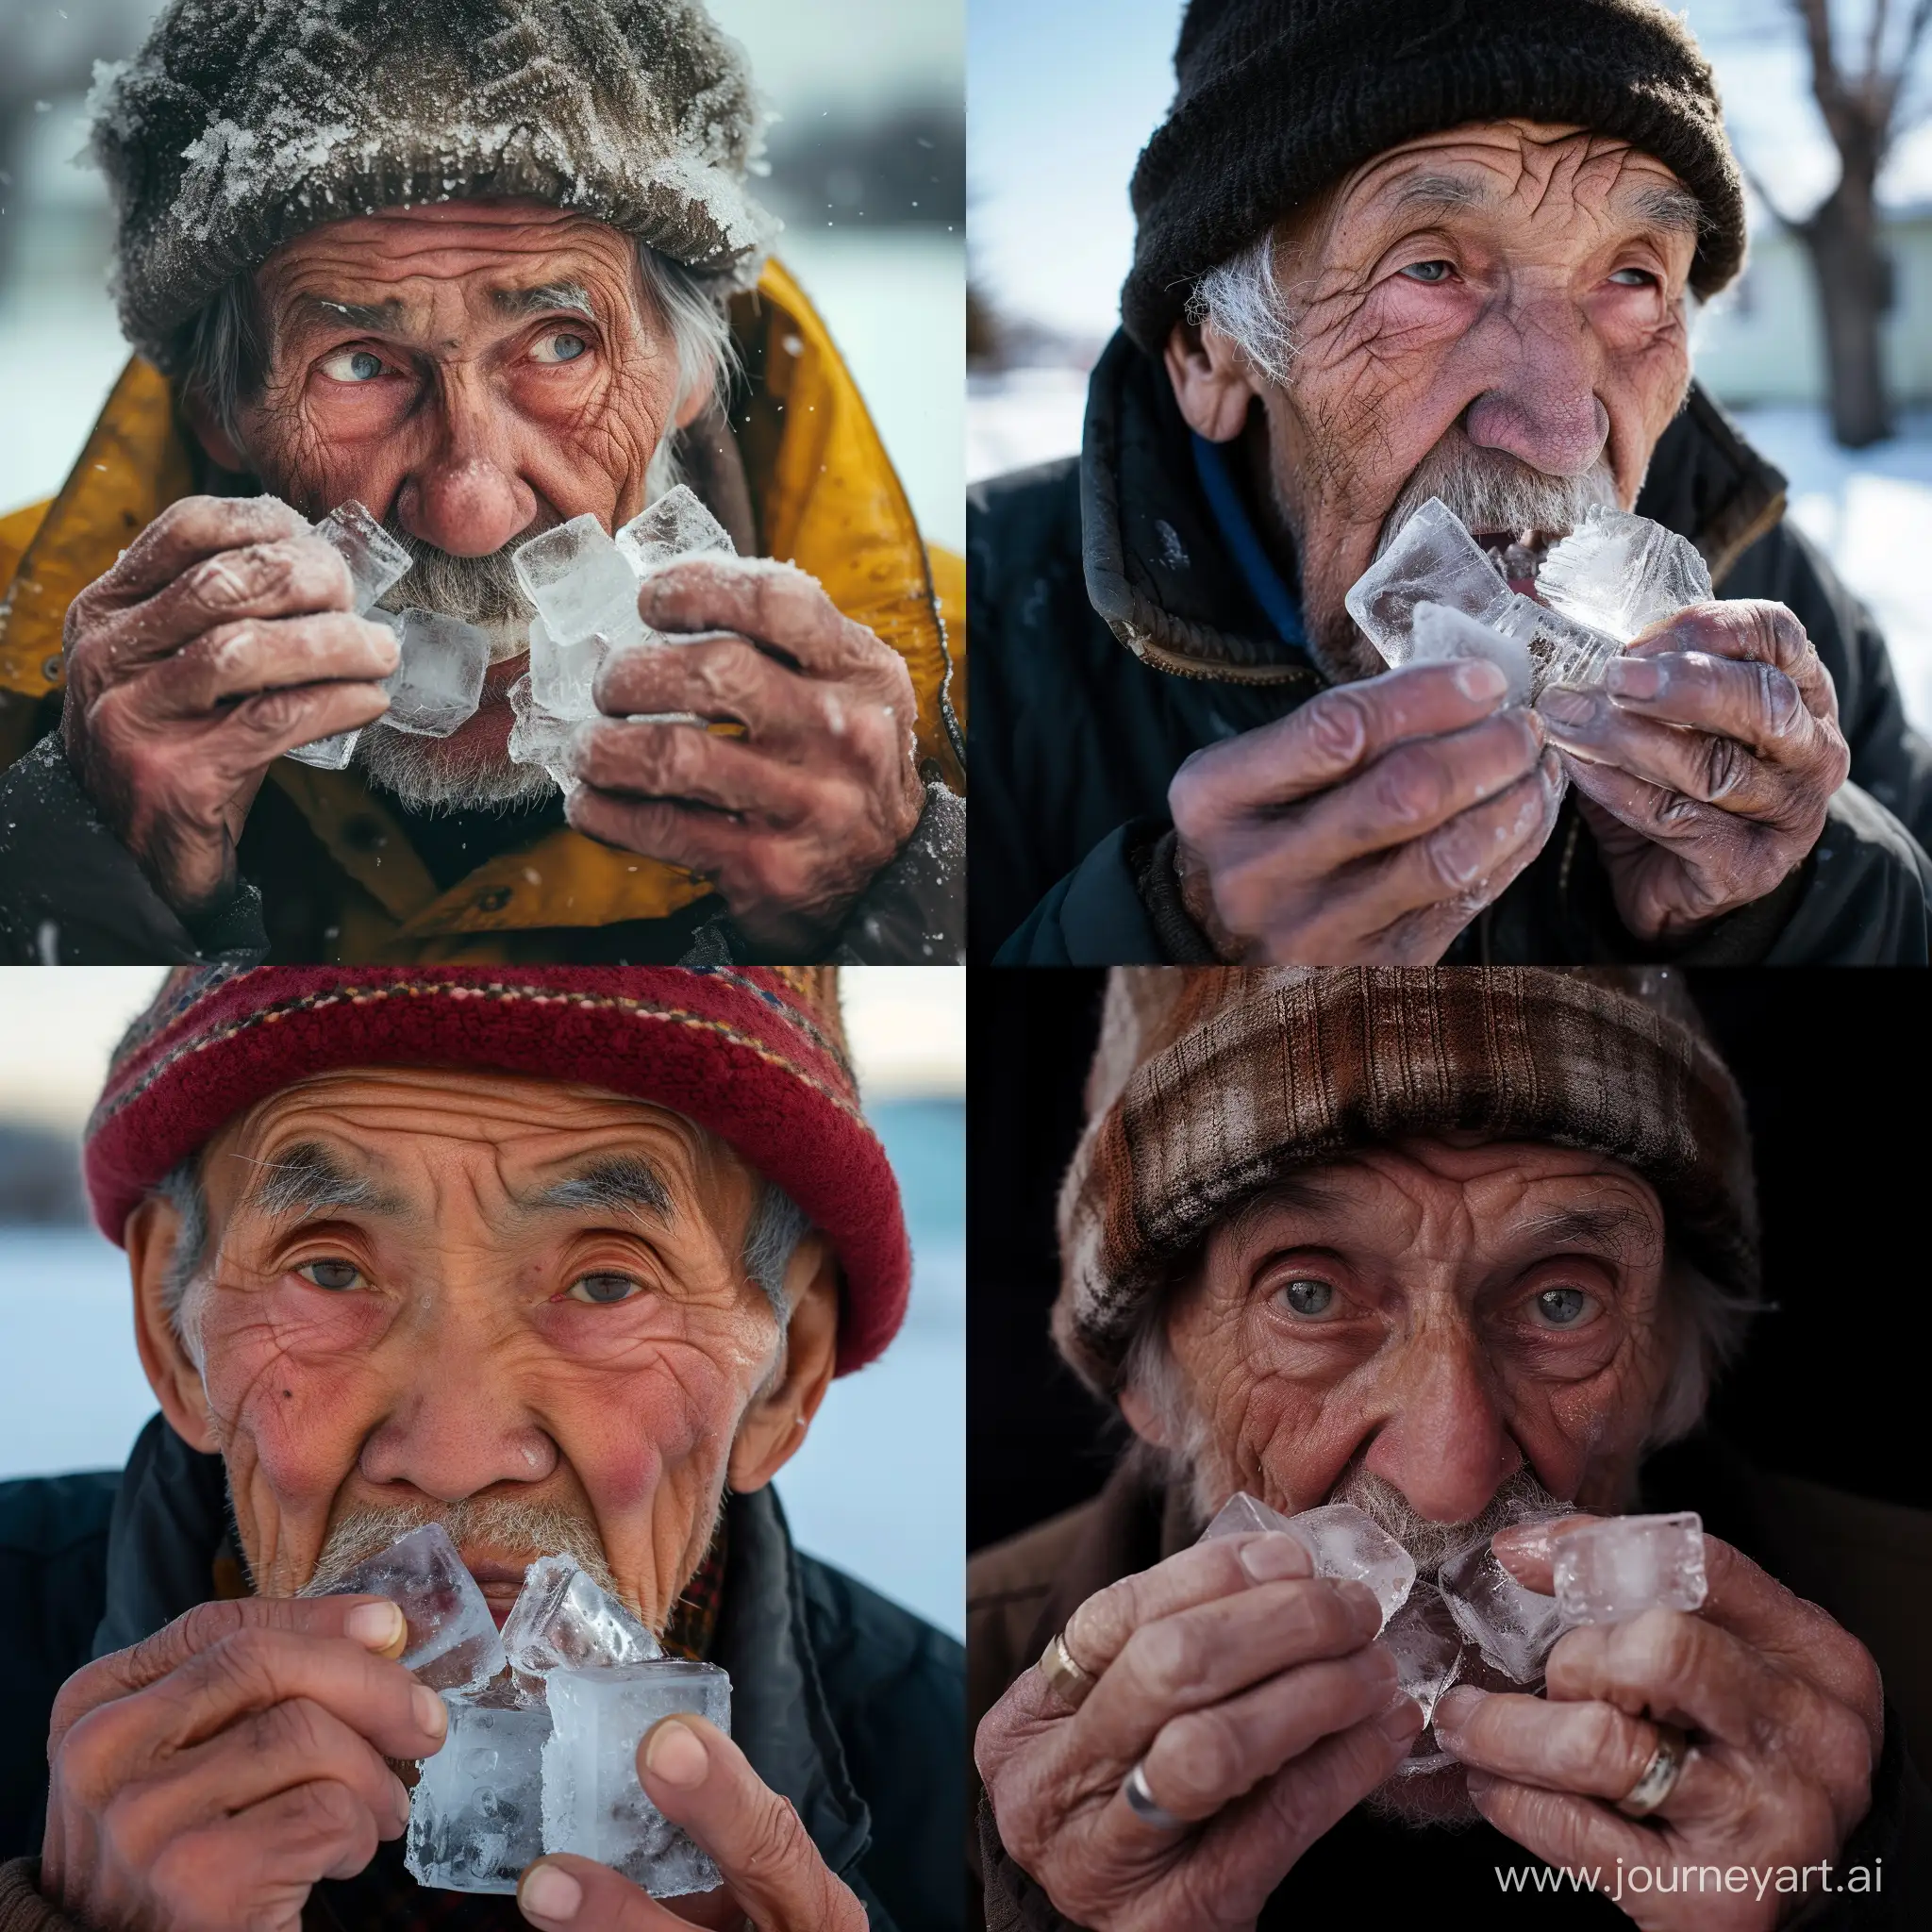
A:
{"x":1060,"y":107}
{"x":867,"y":173}
{"x":879,"y":1489}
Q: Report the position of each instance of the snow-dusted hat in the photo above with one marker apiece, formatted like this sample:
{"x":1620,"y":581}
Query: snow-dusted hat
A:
{"x":241,"y":123}
{"x":1208,"y":1085}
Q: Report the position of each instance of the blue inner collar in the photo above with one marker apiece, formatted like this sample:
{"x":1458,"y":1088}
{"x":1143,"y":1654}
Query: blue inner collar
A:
{"x":1270,"y":589}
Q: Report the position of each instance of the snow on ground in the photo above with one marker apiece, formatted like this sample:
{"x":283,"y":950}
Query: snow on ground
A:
{"x":1870,"y":511}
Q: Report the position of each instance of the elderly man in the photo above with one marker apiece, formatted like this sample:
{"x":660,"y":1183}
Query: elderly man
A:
{"x":1459,"y":1248}
{"x":565,"y":1261}
{"x":1387,"y":252}
{"x":482,"y":269}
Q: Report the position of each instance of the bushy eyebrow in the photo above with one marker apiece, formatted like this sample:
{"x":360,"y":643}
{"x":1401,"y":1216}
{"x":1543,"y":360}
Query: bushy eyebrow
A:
{"x":1659,"y":206}
{"x":379,"y":318}
{"x":617,"y":1183}
{"x":545,"y":296}
{"x":1610,"y":1229}
{"x":307,"y":1179}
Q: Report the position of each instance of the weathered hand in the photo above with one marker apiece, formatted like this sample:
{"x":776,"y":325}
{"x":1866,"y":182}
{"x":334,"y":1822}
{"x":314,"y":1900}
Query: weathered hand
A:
{"x":1369,"y":826}
{"x":1786,"y":1716}
{"x":773,"y":1875}
{"x":207,"y":1779}
{"x":220,"y":639}
{"x":1256,"y":1704}
{"x":792,"y":820}
{"x":1705,"y":763}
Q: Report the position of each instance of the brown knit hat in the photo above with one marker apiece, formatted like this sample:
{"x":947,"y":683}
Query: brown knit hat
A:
{"x":1210,"y":1083}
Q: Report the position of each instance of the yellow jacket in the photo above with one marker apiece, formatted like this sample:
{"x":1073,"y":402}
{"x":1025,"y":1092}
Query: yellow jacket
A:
{"x":826,"y":497}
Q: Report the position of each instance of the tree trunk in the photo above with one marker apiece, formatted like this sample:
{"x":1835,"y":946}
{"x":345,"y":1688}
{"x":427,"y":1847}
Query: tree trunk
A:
{"x":1853,"y":281}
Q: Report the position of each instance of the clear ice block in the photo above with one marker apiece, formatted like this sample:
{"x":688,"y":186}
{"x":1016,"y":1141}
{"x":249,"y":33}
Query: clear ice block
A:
{"x":1344,"y":1541}
{"x":1243,"y":1515}
{"x":581,"y":583}
{"x":593,"y":1802}
{"x":562,"y":676}
{"x":376,"y":563}
{"x":476,"y":1814}
{"x":561,"y":1620}
{"x":439,"y":684}
{"x":1512,"y":1626}
{"x":678,"y":525}
{"x":538,"y":737}
{"x":452,"y":1644}
{"x":1622,"y":1566}
{"x":1423,"y":1639}
{"x":1621,"y":574}
{"x":1441,"y":631}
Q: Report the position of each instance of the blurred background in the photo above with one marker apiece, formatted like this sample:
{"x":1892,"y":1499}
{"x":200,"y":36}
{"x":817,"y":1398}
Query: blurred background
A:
{"x":1829,"y":373}
{"x":879,"y":1486}
{"x":868,"y":173}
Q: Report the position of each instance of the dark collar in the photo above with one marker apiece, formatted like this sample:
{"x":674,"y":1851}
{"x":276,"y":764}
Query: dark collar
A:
{"x":1162,"y":571}
{"x":170,"y":1521}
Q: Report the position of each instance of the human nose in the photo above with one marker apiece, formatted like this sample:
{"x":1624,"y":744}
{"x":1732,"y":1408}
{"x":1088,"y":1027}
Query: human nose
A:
{"x":1543,"y":407}
{"x":466,"y":497}
{"x":1444,"y":1444}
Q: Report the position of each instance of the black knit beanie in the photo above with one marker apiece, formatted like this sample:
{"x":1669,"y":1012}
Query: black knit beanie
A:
{"x":1278,"y":98}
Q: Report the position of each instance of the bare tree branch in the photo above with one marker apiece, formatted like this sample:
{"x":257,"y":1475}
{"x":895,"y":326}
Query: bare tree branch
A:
{"x":1763,"y":194}
{"x":1875,"y":42}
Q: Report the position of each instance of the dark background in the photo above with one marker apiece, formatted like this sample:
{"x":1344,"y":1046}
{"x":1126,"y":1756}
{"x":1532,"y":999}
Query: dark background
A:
{"x":1833,"y":1386}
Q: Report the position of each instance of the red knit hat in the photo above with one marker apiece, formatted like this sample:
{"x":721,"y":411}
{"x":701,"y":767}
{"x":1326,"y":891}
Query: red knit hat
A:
{"x":756,"y":1054}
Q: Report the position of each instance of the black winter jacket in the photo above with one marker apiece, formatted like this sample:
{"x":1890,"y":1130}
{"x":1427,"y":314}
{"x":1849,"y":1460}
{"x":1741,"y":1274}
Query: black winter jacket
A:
{"x":846,"y":1704}
{"x":1076,"y":736}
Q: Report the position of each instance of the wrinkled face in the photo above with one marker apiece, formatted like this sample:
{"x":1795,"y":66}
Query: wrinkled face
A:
{"x":506,"y":1302}
{"x":1499,"y":305}
{"x":1437,"y":1317}
{"x":474,"y":373}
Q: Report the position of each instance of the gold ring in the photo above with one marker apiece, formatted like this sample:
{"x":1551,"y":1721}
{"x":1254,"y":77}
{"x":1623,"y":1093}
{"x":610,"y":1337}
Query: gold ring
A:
{"x":1660,"y":1777}
{"x":1065,"y":1675}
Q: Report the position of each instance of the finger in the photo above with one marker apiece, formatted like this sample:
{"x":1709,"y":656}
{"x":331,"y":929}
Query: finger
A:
{"x":702,"y":841}
{"x":184,"y":533}
{"x":700,"y":1779}
{"x":1198,"y":1656}
{"x":1335,"y":734}
{"x":297,"y":1837}
{"x":1748,"y":628}
{"x":1206,"y":1758}
{"x":1586,"y":1747}
{"x":237,"y":660}
{"x":1098,"y":1631}
{"x":562,"y":1889}
{"x":773,"y":604}
{"x":681,"y":761}
{"x":1566,"y":1830}
{"x":263,"y":727}
{"x":299,"y":577}
{"x":716,"y":678}
{"x":372,"y":1622}
{"x":1661,"y":815}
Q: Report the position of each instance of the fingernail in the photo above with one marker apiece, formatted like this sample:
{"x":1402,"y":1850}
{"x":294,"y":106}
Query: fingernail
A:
{"x":432,"y":1713}
{"x":550,"y":1893}
{"x":1401,"y":1721}
{"x":1635,"y":677}
{"x":1565,"y":707}
{"x":376,"y":1627}
{"x":1478,"y":678}
{"x":1363,"y":1605}
{"x":1527,"y":1542}
{"x":677,"y":1754}
{"x":1271,"y":1557}
{"x":1452,"y":1710}
{"x":1477,"y":1782}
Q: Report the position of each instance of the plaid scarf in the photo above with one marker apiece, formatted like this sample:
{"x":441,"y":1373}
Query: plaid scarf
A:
{"x":384,"y":1898}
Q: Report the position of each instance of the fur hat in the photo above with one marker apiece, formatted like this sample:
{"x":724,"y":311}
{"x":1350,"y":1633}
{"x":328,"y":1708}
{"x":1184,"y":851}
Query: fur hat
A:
{"x":1211,"y":1082}
{"x":241,"y":123}
{"x":755,"y":1055}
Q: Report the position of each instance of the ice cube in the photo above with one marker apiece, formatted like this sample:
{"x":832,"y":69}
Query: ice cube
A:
{"x":439,"y":684}
{"x":1620,"y":574}
{"x":376,"y":562}
{"x":1622,"y":1566}
{"x":1348,"y":1541}
{"x":562,"y":676}
{"x":452,"y":1644}
{"x":676,"y":526}
{"x":580,"y":582}
{"x":1441,"y":631}
{"x":1432,"y":559}
{"x":1423,"y":1639}
{"x":476,"y":1814}
{"x":1512,"y":1625}
{"x":593,"y":1802}
{"x":1243,"y":1515}
{"x":330,"y":753}
{"x":538,"y":737}
{"x":561,"y":1620}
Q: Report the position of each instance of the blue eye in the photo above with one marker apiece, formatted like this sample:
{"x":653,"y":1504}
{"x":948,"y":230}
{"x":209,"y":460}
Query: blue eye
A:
{"x":603,"y":1289}
{"x":562,"y":347}
{"x":1309,"y":1298}
{"x":334,"y":1275}
{"x":1429,"y":273}
{"x":1636,"y":279}
{"x":1563,"y":1308}
{"x":354,"y":365}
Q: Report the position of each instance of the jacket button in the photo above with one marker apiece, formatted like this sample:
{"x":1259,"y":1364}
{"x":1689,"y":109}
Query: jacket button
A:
{"x":494,"y":900}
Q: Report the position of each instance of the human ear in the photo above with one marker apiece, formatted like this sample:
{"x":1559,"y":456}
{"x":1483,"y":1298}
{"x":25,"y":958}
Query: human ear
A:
{"x":221,"y":449}
{"x":1213,"y":381}
{"x":149,"y":1235}
{"x":776,"y":1423}
{"x":1143,"y":1418}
